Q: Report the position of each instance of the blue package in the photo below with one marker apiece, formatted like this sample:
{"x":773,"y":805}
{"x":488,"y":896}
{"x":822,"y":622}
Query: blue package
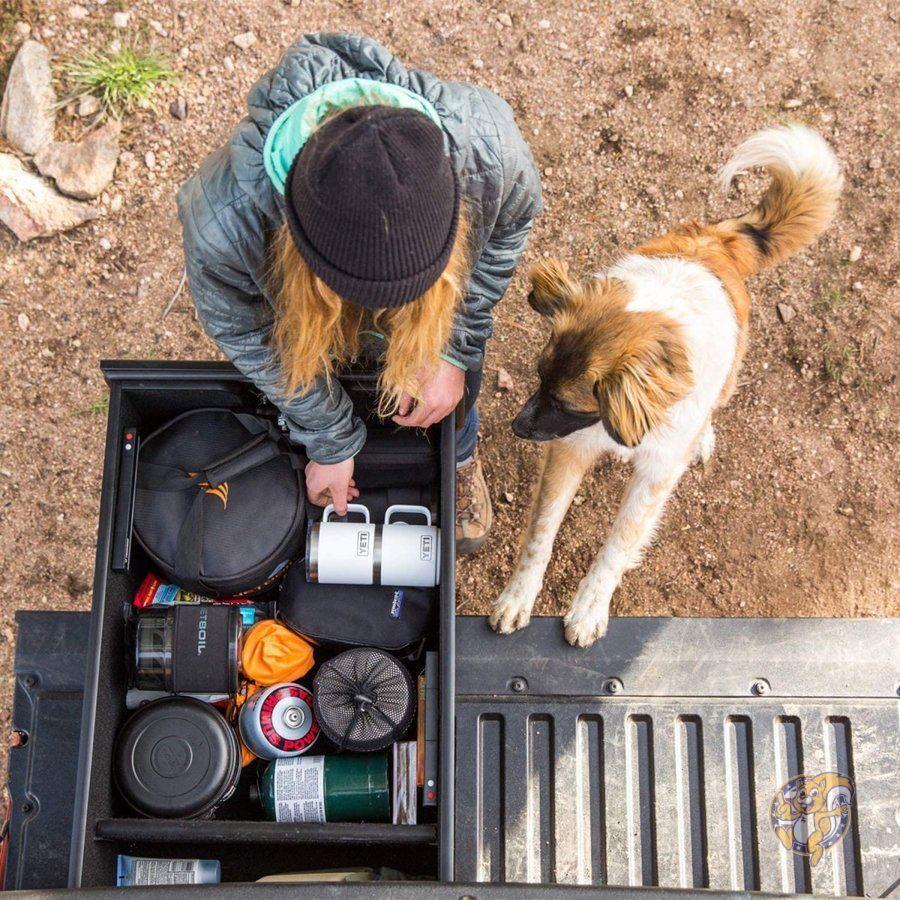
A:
{"x":136,"y":870}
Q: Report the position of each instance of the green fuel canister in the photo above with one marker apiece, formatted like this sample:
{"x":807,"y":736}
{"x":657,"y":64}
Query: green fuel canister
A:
{"x":344,"y":788}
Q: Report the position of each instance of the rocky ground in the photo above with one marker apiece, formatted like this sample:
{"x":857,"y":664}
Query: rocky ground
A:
{"x":630,"y":109}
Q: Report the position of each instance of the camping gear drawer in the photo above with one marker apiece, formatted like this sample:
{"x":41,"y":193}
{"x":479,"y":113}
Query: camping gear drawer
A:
{"x":143,"y":395}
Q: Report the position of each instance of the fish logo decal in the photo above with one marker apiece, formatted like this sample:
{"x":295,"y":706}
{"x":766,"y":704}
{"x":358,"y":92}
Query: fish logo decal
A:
{"x":811,"y":813}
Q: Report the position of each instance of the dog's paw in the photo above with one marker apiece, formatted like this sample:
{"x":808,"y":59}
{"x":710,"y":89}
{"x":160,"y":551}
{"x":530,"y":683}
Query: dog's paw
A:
{"x":586,"y":625}
{"x":512,"y":611}
{"x":706,"y":443}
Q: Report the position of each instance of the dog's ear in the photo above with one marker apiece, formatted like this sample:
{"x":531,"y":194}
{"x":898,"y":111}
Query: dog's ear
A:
{"x":551,"y":287}
{"x":651,"y":373}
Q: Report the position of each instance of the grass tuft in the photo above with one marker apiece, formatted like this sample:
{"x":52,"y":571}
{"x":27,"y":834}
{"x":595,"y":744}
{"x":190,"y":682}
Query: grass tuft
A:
{"x":841,"y":364}
{"x":99,"y":407}
{"x":123,"y":80}
{"x":831,"y":301}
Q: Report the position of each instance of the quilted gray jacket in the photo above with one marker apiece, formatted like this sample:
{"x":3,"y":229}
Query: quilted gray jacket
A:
{"x":230,"y":208}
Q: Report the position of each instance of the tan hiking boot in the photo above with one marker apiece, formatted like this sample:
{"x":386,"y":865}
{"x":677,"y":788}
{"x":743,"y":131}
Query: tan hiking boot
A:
{"x":473,"y":507}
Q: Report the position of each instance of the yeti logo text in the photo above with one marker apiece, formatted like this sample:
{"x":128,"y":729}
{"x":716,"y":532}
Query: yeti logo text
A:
{"x":811,"y":813}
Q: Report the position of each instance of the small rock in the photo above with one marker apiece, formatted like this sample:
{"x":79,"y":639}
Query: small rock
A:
{"x":184,"y":52}
{"x":23,"y":321}
{"x":22,"y":29}
{"x":508,"y":496}
{"x":792,"y":103}
{"x":150,"y":159}
{"x":158,"y":28}
{"x":115,"y":46}
{"x":578,"y":500}
{"x":505,"y":19}
{"x":292,"y":3}
{"x":857,"y":286}
{"x":179,"y":108}
{"x":105,"y":243}
{"x":76,"y":585}
{"x":88,"y":105}
{"x":30,"y":208}
{"x":786,"y":312}
{"x":629,"y":90}
{"x":115,"y":205}
{"x":127,"y":159}
{"x":244,"y":41}
{"x":854,"y":254}
{"x":84,"y":169}
{"x":228,"y":64}
{"x":544,"y":24}
{"x":121,"y":19}
{"x":874,"y":162}
{"x":477,"y":63}
{"x":845,"y":510}
{"x":76,"y":11}
{"x":504,"y":380}
{"x":27,"y":114}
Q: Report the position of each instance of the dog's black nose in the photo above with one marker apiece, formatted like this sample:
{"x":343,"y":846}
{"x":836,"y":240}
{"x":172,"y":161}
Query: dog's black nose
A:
{"x":521,"y":426}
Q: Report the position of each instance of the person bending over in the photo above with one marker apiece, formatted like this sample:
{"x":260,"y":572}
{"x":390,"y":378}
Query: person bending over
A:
{"x":361,"y":210}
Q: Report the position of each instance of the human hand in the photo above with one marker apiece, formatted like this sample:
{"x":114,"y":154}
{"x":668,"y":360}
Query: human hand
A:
{"x":440,"y":395}
{"x":331,"y":484}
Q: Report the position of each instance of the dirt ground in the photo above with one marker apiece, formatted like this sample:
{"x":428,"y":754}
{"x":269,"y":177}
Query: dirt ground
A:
{"x":629,"y":108}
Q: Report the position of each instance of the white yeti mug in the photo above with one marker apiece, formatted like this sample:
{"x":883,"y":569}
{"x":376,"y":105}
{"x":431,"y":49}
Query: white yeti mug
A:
{"x":394,"y":553}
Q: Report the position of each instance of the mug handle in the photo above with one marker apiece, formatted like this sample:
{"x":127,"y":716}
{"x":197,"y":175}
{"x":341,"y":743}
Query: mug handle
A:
{"x":402,"y":507}
{"x":351,"y":507}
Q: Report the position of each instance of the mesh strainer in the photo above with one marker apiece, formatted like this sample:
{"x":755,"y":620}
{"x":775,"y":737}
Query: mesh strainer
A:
{"x":363,"y":699}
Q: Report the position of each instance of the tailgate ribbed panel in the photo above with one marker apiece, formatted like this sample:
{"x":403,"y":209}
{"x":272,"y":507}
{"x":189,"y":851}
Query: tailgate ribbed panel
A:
{"x":661,"y":790}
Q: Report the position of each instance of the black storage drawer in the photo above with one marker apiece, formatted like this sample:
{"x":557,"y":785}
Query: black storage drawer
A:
{"x":143,"y":395}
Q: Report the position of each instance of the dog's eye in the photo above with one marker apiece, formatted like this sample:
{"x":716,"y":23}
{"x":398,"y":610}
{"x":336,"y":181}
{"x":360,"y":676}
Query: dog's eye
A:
{"x":814,"y":793}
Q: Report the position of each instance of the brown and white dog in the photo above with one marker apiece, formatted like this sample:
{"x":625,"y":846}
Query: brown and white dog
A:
{"x":641,"y":356}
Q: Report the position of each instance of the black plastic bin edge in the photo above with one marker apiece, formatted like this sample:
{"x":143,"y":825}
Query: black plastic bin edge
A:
{"x":447,"y":648}
{"x":117,"y":372}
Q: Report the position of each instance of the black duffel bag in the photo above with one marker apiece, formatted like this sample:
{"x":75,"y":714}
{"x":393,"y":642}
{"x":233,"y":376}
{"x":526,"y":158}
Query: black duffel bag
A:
{"x":219,"y":505}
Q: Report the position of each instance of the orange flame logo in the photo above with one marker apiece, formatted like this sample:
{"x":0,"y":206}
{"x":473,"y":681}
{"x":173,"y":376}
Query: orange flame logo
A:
{"x":220,"y":491}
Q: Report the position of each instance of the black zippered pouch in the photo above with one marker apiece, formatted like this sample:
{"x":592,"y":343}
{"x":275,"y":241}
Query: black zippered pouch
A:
{"x":391,"y":618}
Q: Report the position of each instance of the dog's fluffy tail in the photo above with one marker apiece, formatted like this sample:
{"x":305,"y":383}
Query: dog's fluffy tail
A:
{"x":801,"y":199}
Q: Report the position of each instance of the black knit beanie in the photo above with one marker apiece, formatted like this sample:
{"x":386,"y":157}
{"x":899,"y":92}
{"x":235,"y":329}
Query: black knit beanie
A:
{"x":372,"y":202}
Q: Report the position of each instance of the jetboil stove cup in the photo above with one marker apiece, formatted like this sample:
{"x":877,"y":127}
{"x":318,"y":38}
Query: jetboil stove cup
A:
{"x":395,"y":553}
{"x":188,"y":649}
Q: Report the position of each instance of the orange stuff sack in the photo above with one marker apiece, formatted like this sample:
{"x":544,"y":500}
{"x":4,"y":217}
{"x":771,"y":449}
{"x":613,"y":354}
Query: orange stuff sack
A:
{"x":273,"y":653}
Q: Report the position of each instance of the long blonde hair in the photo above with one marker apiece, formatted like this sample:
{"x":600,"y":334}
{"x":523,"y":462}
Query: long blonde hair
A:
{"x":316,"y":331}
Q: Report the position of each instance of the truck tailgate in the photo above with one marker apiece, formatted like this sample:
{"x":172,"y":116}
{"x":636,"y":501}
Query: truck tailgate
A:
{"x":653,"y":758}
